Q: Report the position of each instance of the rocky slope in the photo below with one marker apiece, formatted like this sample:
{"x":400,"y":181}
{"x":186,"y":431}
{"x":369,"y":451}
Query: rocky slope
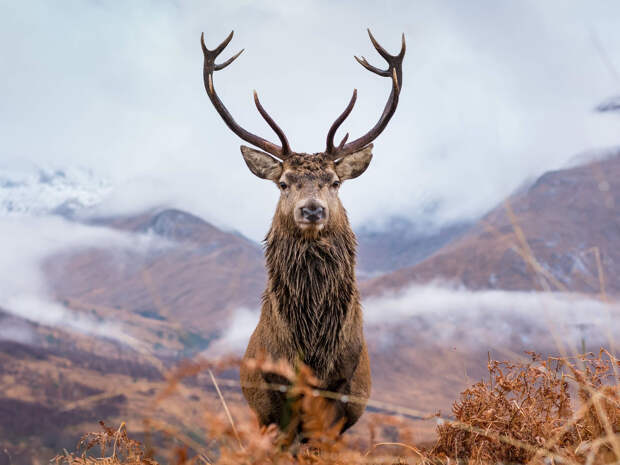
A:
{"x":562,"y":233}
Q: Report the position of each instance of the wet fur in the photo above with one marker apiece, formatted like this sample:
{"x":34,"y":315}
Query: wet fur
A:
{"x":311,"y":308}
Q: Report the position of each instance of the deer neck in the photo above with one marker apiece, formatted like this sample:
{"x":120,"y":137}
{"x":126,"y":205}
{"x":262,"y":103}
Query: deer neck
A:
{"x":313,"y":282}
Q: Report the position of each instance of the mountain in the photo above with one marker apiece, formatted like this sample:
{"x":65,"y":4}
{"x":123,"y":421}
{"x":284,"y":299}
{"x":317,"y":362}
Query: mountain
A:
{"x":561,"y":233}
{"x":175,"y":299}
{"x":61,"y":191}
{"x":609,"y":105}
{"x":401,"y":243}
{"x":202,"y":274}
{"x":196,"y":281}
{"x":140,"y":311}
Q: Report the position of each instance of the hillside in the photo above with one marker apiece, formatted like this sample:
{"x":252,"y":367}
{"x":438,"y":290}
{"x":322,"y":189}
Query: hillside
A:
{"x":401,"y":243}
{"x":202,"y":274}
{"x":57,"y":384}
{"x":559,"y":234}
{"x":44,"y":371}
{"x":195,"y":281}
{"x":176,"y":299}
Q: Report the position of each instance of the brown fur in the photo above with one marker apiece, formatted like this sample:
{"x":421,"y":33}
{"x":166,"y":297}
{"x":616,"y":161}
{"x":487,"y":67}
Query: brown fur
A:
{"x":311,"y":308}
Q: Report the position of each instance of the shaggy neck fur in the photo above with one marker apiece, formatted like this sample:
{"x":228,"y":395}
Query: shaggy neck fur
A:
{"x":312,"y":278}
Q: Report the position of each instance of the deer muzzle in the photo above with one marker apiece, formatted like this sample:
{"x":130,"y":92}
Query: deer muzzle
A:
{"x":311,"y":213}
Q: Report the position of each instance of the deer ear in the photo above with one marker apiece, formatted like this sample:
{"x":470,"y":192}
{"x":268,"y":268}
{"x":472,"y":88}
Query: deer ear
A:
{"x":354,"y":164}
{"x":262,"y":164}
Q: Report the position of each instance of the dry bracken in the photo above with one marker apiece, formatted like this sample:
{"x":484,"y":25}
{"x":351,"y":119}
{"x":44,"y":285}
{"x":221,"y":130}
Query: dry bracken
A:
{"x":552,"y":410}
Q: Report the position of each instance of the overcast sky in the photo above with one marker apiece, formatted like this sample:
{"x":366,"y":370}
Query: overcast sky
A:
{"x":493,"y":94}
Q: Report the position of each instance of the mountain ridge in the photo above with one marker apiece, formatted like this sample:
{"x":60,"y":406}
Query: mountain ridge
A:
{"x":557,"y":234}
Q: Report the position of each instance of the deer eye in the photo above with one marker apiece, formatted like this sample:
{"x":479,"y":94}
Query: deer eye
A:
{"x":283,"y":185}
{"x":336,"y":184}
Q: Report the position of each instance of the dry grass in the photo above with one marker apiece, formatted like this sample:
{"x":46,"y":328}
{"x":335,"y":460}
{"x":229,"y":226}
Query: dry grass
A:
{"x":107,"y":447}
{"x":555,"y":410}
{"x":525,"y":413}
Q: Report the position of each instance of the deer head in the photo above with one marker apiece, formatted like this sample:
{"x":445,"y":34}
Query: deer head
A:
{"x":308,"y":183}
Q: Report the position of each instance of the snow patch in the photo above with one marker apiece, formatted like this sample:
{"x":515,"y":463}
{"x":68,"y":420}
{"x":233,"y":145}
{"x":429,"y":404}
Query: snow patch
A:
{"x":62,"y":191}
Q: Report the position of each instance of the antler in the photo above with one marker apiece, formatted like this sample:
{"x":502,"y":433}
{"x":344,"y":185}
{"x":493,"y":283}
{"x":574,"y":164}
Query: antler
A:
{"x":394,"y":71}
{"x":209,"y":67}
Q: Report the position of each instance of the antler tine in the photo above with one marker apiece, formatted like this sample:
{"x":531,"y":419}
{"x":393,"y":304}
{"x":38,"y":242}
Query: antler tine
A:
{"x":403,"y":47}
{"x":229,"y":61}
{"x":332,"y":131}
{"x":372,"y":68}
{"x":217,"y":50}
{"x":224,"y":43}
{"x":209,"y":68}
{"x":383,"y":52}
{"x":393,"y":71}
{"x":342,"y":142}
{"x":286,"y":148}
{"x":393,"y":60}
{"x":205,"y":50}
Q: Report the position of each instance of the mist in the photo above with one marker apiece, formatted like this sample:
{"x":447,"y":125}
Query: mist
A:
{"x":493,"y":94}
{"x":445,"y":315}
{"x":25,"y":292}
{"x":484,"y":319}
{"x":235,"y":338}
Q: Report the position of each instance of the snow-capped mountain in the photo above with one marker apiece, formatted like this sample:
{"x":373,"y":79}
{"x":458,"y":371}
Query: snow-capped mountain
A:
{"x":43,"y":191}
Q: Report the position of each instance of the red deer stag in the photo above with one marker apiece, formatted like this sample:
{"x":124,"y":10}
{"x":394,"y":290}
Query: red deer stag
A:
{"x":311,"y":308}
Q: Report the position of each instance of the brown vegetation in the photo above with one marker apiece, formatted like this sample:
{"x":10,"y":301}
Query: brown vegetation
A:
{"x":524,"y":412}
{"x":554,"y":410}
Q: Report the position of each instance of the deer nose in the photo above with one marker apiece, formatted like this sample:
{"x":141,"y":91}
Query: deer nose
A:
{"x":313,"y":212}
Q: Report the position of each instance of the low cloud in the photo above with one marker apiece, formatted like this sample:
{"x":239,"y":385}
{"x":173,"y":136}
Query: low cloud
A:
{"x":496,"y":318}
{"x":16,"y":332}
{"x":235,"y":338}
{"x":27,"y":241}
{"x":444,"y":315}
